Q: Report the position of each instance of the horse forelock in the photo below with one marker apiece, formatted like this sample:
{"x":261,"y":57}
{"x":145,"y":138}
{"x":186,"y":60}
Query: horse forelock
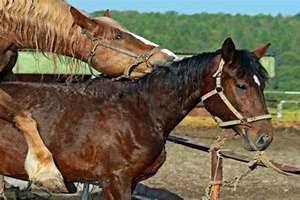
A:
{"x":250,"y":66}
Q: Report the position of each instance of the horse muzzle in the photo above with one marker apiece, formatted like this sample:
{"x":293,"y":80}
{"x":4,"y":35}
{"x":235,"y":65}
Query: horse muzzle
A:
{"x":162,"y":57}
{"x":258,"y":143}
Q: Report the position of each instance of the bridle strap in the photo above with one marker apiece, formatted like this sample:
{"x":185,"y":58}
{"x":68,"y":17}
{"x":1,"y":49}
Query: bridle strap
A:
{"x":230,"y":106}
{"x":246,"y":121}
{"x":96,"y":42}
{"x":141,"y":59}
{"x":219,"y":90}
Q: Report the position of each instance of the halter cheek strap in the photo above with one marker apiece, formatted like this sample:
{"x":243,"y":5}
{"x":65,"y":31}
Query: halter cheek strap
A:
{"x":139,"y":59}
{"x":219,"y":90}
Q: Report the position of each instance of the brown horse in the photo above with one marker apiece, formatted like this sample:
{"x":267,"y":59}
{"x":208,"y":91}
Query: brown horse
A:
{"x":54,"y":26}
{"x":114,"y":132}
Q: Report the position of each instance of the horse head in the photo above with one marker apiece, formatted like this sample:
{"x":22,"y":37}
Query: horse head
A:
{"x":233,"y":92}
{"x":125,"y":52}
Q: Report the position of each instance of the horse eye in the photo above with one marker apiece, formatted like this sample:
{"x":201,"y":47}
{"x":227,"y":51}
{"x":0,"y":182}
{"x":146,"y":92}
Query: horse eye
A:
{"x":241,"y":86}
{"x":119,"y":36}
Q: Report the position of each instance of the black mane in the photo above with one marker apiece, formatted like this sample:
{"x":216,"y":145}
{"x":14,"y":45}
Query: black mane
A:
{"x":176,"y":75}
{"x":183,"y":67}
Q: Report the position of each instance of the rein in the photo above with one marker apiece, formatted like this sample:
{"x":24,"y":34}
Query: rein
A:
{"x":139,"y":58}
{"x":219,"y":90}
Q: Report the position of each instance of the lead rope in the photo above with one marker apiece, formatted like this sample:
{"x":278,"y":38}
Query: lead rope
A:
{"x":233,"y":183}
{"x":259,"y":158}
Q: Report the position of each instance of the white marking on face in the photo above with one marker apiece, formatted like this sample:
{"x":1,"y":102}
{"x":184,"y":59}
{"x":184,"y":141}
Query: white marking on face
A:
{"x":256,"y":80}
{"x":170,"y":53}
{"x":145,"y":41}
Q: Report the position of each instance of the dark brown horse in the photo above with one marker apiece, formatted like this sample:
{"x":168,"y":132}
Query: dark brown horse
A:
{"x":54,"y":26}
{"x":114,"y":132}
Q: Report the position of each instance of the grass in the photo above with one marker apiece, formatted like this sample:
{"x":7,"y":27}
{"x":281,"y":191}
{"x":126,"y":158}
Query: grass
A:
{"x":30,"y":63}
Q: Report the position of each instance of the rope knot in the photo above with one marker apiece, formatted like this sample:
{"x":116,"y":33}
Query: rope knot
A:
{"x":262,"y":159}
{"x":218,"y":143}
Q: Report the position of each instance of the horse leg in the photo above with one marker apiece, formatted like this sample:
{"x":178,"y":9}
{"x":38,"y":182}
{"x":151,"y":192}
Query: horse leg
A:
{"x":39,"y":163}
{"x":2,"y":188}
{"x":153,"y":168}
{"x":117,"y":188}
{"x":85,"y":192}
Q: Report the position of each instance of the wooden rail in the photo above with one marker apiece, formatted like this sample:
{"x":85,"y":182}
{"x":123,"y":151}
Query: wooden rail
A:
{"x":217,"y":156}
{"x":230,"y":154}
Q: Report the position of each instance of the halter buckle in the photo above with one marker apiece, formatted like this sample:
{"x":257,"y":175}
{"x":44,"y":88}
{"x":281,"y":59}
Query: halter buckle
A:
{"x":219,"y":89}
{"x":245,"y":122}
{"x":142,"y":58}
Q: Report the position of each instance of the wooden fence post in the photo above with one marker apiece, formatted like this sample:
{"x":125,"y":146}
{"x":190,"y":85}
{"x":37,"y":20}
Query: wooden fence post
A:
{"x":216,"y":174}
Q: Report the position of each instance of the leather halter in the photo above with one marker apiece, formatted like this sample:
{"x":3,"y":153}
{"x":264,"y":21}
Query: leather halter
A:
{"x":219,"y":90}
{"x":139,"y":58}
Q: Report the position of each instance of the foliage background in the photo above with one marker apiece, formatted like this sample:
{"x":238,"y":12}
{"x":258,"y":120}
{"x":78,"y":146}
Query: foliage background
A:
{"x":206,"y":32}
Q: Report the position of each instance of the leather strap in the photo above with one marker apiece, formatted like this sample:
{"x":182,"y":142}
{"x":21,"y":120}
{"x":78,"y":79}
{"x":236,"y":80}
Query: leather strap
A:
{"x":219,"y":90}
{"x":139,"y":59}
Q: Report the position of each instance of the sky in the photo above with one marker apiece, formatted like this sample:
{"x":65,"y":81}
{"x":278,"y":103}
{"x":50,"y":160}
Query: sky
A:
{"x":249,"y":7}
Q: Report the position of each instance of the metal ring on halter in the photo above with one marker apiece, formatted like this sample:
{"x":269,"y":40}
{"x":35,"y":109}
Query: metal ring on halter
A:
{"x":245,"y":123}
{"x":219,"y":90}
{"x":96,"y":42}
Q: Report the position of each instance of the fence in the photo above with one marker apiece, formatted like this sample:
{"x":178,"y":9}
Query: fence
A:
{"x":285,"y":105}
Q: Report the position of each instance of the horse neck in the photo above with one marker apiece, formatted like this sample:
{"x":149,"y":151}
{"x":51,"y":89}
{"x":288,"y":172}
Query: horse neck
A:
{"x":175,"y":94}
{"x":42,"y":25}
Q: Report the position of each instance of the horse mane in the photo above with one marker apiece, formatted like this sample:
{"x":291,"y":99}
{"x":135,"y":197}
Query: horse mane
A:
{"x":175,"y":75}
{"x":46,"y":25}
{"x":186,"y":70}
{"x":179,"y":67}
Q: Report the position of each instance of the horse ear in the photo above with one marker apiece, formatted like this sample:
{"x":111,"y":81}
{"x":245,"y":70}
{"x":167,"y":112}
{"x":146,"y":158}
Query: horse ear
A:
{"x":228,"y":50}
{"x":82,"y":20}
{"x":106,"y":13}
{"x":262,"y":51}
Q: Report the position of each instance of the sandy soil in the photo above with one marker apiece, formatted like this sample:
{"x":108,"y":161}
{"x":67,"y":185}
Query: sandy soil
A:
{"x":186,"y":172}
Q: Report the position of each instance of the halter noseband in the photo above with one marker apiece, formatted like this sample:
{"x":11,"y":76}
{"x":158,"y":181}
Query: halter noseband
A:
{"x":219,"y":90}
{"x":139,"y":59}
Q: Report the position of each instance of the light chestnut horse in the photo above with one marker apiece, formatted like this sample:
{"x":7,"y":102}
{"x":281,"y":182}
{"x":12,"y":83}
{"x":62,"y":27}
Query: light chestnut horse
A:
{"x":54,"y":26}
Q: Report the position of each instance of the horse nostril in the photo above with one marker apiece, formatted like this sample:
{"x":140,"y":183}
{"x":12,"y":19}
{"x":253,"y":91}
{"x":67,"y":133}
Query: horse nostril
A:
{"x":263,"y":142}
{"x":170,"y":59}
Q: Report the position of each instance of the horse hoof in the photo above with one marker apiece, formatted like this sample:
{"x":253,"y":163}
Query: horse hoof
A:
{"x":3,"y":197}
{"x":55,"y":185}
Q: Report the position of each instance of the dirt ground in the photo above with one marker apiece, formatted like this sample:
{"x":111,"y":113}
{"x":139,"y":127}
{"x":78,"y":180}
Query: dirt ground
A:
{"x":187,"y":172}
